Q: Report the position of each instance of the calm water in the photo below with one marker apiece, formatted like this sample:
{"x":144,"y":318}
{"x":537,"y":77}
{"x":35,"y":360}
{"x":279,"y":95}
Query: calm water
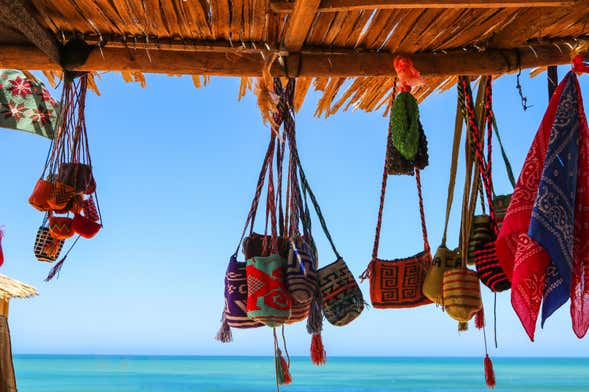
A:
{"x":178,"y":374}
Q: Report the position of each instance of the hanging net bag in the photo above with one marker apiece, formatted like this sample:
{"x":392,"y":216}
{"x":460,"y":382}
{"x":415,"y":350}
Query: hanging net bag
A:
{"x":66,"y":190}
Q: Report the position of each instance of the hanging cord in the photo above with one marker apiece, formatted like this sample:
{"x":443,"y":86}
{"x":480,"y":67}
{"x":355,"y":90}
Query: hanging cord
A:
{"x":495,"y":320}
{"x":57,"y":267}
{"x":368,"y":271}
{"x":285,"y":348}
{"x":289,"y":129}
{"x":478,"y":149}
{"x":453,"y":168}
{"x":518,"y":85}
{"x":473,"y":118}
{"x":276,"y":361}
{"x":492,"y":127}
{"x":261,"y":179}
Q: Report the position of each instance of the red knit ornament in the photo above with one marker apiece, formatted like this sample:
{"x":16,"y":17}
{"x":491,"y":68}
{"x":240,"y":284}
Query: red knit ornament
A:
{"x":407,"y":74}
{"x":318,"y":355}
{"x":489,"y":372}
{"x":479,"y":319}
{"x":286,"y":377}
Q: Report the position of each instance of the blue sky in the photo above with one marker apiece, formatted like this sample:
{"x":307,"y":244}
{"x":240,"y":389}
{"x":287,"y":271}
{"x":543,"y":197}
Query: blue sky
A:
{"x":176,"y":169}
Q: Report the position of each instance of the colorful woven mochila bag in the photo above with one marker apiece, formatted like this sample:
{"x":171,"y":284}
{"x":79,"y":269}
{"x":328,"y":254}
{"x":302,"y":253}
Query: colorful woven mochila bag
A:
{"x":484,"y":228}
{"x":268,"y":300}
{"x":236,"y":290}
{"x":66,"y":190}
{"x":445,"y":259}
{"x":462,"y":298}
{"x":398,"y":283}
{"x":405,"y":129}
{"x":341,"y":298}
{"x":47,"y":248}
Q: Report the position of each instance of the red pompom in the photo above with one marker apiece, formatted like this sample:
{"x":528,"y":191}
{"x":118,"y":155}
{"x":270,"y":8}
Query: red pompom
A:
{"x":479,"y":319}
{"x":489,"y":372}
{"x":318,"y":355}
{"x":407,"y":74}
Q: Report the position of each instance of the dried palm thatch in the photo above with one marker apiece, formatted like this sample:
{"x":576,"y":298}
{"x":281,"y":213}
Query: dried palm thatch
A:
{"x":10,"y":288}
{"x":341,"y":48}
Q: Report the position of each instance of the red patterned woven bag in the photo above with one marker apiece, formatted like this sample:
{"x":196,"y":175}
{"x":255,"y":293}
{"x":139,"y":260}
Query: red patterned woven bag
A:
{"x":398,"y":283}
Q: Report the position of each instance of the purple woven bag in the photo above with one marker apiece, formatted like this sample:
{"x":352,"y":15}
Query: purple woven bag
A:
{"x":236,"y":296}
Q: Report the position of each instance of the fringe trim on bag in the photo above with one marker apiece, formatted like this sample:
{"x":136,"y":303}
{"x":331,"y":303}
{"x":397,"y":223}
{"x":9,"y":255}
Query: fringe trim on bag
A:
{"x":224,"y":335}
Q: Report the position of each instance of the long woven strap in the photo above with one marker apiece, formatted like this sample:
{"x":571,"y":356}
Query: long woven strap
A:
{"x":471,"y":182}
{"x":271,"y":212}
{"x":261,"y":179}
{"x":478,"y":149}
{"x":492,"y":123}
{"x":289,"y":128}
{"x":453,"y":168}
{"x":383,"y":188}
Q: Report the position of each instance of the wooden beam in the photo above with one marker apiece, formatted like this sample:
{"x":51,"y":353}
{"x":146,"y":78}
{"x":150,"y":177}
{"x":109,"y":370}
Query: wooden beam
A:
{"x":300,"y":23}
{"x":17,"y":14}
{"x":312,"y":63}
{"x":286,"y":7}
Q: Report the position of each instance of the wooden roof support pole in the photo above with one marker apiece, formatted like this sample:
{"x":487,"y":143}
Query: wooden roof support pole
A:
{"x":299,"y":24}
{"x":312,"y":64}
{"x":16,"y":13}
{"x":286,"y":7}
{"x":552,"y":76}
{"x":4,"y":307}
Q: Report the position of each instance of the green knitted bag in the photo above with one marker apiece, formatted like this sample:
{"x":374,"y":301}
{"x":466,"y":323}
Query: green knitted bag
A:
{"x":404,"y":124}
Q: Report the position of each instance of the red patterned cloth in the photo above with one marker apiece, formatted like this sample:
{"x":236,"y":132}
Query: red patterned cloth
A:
{"x":525,"y":261}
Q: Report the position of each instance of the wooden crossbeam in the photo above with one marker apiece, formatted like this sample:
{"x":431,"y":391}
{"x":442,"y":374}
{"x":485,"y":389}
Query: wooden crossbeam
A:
{"x":299,"y":24}
{"x":286,"y":7}
{"x":312,"y":64}
{"x":16,"y":13}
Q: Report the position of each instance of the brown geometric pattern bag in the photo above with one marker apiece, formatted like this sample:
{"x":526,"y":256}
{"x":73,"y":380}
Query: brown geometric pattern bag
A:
{"x":398,"y":283}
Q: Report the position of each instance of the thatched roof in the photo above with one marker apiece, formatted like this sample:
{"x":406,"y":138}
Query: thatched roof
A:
{"x":10,"y":288}
{"x":343,"y":48}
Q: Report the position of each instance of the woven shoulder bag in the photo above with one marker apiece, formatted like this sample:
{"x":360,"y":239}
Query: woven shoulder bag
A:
{"x":398,"y":283}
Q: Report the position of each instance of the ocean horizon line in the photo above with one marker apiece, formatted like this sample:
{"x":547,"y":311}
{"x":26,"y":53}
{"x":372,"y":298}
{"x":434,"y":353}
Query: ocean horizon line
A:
{"x":212,"y":356}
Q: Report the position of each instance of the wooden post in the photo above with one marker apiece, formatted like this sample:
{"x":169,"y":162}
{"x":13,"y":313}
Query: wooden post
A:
{"x":4,"y":307}
{"x":552,"y":76}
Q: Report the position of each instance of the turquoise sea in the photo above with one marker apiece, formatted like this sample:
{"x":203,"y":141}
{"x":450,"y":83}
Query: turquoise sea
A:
{"x":36,"y":373}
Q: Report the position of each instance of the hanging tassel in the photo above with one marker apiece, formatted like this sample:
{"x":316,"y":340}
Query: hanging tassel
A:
{"x":315,"y":318}
{"x":489,"y":372}
{"x":57,"y":267}
{"x":462,"y":327}
{"x":55,"y":270}
{"x":286,"y":377}
{"x":282,"y":370}
{"x":1,"y":251}
{"x":318,"y":354}
{"x":279,"y":371}
{"x":224,"y":335}
{"x":479,"y":319}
